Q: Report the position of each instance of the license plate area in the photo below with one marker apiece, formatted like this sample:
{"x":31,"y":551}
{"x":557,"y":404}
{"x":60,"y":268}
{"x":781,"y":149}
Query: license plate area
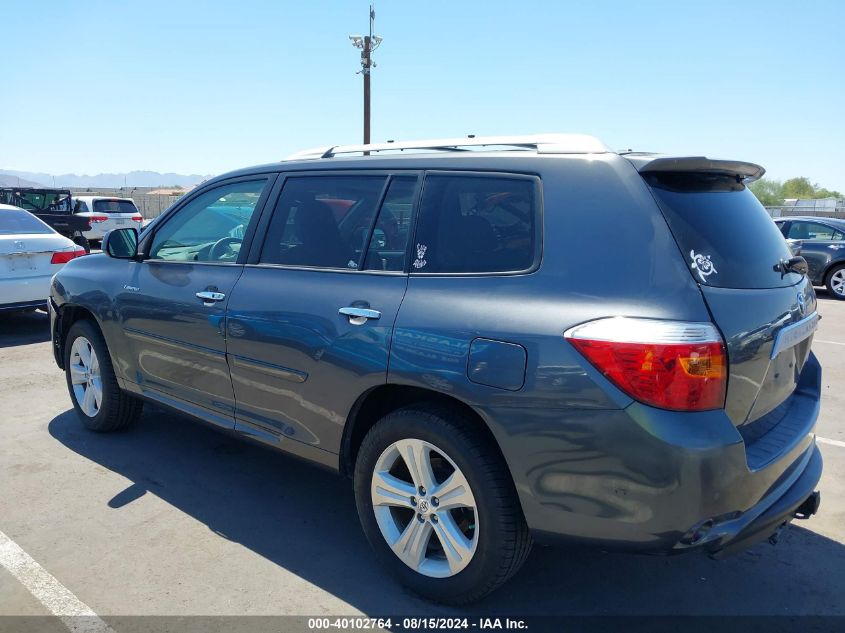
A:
{"x":792,"y":335}
{"x":20,"y":262}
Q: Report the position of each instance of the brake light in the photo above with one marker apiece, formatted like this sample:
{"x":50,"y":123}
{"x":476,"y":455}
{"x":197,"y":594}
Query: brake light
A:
{"x":137,"y":218}
{"x":98,"y":218}
{"x":666,"y":364}
{"x":63,"y":257}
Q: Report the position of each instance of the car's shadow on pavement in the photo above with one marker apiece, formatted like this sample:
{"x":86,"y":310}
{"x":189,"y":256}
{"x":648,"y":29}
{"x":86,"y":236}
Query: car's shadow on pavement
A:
{"x":824,"y":295}
{"x":24,"y":328}
{"x":304,"y":519}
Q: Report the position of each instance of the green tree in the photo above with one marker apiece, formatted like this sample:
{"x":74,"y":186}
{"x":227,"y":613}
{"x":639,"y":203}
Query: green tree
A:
{"x":799,"y":188}
{"x":826,"y":193}
{"x":771,"y":193}
{"x":768,"y":192}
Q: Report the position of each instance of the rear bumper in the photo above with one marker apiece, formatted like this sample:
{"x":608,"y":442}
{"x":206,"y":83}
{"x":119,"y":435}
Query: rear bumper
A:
{"x":99,"y":229}
{"x":770,"y":515}
{"x":94,"y":233}
{"x":24,"y":292}
{"x":646,"y":480}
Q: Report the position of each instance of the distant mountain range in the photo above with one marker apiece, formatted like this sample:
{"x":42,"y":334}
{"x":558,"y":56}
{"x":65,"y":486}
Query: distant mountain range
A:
{"x":9,"y":177}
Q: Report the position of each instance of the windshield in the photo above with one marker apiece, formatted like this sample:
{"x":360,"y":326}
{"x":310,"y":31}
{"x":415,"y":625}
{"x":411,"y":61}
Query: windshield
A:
{"x":727,"y":238}
{"x":114,"y":206}
{"x":14,"y":222}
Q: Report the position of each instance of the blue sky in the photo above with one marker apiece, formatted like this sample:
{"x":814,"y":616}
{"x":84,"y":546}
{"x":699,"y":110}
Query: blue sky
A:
{"x":208,"y":87}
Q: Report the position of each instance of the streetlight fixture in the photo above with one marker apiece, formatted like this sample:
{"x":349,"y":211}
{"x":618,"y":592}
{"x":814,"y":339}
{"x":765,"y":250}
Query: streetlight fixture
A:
{"x":367,"y":44}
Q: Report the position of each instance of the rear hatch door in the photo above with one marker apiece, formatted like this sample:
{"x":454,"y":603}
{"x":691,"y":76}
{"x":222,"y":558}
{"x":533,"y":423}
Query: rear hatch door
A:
{"x":734,"y":251}
{"x":120,"y":213}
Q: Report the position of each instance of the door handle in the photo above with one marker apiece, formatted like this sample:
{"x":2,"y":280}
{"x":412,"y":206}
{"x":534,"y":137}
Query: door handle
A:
{"x":359,"y":316}
{"x":210,"y":297}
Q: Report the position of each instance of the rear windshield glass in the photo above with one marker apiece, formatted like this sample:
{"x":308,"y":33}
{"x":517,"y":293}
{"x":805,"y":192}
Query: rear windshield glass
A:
{"x":727,"y":238}
{"x":114,"y":206}
{"x":13,"y":222}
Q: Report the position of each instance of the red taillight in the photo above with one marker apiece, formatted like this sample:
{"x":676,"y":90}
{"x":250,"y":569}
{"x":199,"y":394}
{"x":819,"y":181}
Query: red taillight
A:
{"x":98,"y":218}
{"x":63,"y":257}
{"x":137,"y":218}
{"x":666,"y":364}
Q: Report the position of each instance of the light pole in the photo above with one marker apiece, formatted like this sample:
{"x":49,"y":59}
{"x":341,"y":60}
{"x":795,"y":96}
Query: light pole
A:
{"x":367,"y":44}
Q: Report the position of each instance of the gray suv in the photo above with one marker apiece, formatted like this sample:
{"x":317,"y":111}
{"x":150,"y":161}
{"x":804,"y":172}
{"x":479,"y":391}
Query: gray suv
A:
{"x":500,"y":340}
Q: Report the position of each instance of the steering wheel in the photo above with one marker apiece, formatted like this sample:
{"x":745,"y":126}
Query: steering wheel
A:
{"x":222,"y":246}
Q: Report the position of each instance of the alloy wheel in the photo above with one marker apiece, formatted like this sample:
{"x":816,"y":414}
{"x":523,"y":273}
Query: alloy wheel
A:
{"x":85,"y":376}
{"x":425,"y":508}
{"x":837,"y":282}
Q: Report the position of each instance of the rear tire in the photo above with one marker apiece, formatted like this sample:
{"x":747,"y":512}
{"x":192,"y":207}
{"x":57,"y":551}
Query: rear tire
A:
{"x":493,"y":539}
{"x":81,"y":240}
{"x":835,"y":282}
{"x":98,"y":400}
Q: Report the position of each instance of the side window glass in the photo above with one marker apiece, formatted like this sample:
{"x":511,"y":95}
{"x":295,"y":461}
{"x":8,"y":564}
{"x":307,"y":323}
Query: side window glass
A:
{"x":837,"y":236}
{"x":210,"y":228}
{"x":475,"y":224}
{"x":322,"y":221}
{"x":389,"y":242}
{"x":81,"y":207}
{"x":810,"y":231}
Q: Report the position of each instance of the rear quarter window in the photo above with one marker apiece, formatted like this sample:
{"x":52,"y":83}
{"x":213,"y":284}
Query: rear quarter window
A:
{"x":477,"y":224}
{"x":726,"y":236}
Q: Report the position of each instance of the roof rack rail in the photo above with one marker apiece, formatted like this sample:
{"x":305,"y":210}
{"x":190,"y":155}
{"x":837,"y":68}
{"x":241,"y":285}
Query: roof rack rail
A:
{"x":541,"y":143}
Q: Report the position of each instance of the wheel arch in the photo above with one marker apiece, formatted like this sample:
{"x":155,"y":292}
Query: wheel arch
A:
{"x":832,"y":265}
{"x":66,"y":316}
{"x":377,"y":402}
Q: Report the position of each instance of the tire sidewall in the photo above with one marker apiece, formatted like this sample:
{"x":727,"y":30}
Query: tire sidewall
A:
{"x":433,"y":428}
{"x":90,"y":332}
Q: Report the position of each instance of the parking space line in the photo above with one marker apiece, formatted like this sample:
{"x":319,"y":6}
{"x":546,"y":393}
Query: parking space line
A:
{"x":824,"y":440}
{"x":58,"y":599}
{"x":828,"y":342}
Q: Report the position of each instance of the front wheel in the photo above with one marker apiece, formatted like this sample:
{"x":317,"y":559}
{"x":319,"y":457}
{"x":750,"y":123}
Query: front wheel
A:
{"x":438,"y":506}
{"x":98,"y":400}
{"x":835,"y":282}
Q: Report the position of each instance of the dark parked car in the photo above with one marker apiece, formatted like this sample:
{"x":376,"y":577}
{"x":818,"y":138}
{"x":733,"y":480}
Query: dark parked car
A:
{"x":820,"y":241}
{"x":51,"y":206}
{"x":499,"y":340}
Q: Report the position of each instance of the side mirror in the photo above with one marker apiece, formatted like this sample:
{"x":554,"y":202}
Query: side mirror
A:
{"x":121,"y":243}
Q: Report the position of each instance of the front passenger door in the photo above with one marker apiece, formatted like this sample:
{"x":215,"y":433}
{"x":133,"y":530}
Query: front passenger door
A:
{"x":172,"y":307}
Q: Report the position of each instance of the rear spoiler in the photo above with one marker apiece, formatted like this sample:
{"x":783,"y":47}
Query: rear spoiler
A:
{"x":653,"y":163}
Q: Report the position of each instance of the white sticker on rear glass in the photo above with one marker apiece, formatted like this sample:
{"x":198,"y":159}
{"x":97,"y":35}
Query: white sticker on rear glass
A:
{"x":702,"y":264}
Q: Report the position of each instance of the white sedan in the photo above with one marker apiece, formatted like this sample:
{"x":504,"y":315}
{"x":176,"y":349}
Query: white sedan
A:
{"x":30,"y":254}
{"x":105,"y":214}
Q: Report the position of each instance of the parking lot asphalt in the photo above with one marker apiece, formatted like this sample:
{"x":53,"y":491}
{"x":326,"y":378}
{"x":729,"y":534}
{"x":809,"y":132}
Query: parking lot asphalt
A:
{"x":174,"y":518}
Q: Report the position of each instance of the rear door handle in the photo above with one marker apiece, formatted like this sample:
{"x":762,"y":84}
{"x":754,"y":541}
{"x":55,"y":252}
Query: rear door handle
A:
{"x":210,"y":297}
{"x":359,"y":316}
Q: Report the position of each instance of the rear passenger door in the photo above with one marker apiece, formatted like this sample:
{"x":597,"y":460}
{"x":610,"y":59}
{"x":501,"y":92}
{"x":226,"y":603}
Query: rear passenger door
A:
{"x":461,"y":327}
{"x":310,"y":321}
